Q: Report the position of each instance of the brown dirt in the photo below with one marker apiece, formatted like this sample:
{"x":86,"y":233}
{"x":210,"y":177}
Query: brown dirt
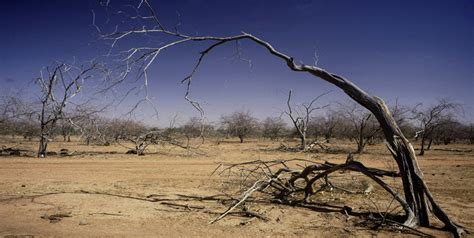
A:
{"x":107,"y":193}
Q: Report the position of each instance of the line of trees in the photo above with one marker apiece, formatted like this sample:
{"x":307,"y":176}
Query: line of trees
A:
{"x":428,"y":126}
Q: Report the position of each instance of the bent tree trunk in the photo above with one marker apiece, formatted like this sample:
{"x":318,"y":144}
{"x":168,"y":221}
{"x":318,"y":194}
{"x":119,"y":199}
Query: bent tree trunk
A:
{"x":417,"y":195}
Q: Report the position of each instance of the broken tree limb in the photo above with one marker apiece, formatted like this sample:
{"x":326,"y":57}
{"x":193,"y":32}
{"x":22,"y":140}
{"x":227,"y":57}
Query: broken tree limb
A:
{"x":257,"y":185}
{"x":282,"y":179}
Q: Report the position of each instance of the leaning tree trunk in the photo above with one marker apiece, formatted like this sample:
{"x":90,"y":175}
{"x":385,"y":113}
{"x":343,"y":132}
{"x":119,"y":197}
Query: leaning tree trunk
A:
{"x":417,"y":195}
{"x":241,"y":138}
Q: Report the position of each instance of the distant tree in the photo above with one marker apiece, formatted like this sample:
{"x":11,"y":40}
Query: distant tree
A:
{"x":195,"y":127}
{"x":10,"y":108}
{"x":273,"y":127}
{"x":87,"y":127}
{"x":15,"y":114}
{"x":105,"y":131}
{"x":118,"y":128}
{"x":27,"y":128}
{"x":432,"y":118}
{"x":455,"y":132}
{"x":364,"y":125}
{"x":327,"y":126}
{"x":448,"y":132}
{"x":65,"y":129}
{"x":300,"y":116}
{"x":240,"y":124}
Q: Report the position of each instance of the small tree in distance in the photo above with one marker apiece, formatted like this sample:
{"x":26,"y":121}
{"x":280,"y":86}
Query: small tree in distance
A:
{"x":240,"y":124}
{"x":432,"y":118}
{"x":195,"y":127}
{"x":300,"y":116}
{"x":363,"y":124}
{"x":327,"y":126}
{"x":273,"y":128}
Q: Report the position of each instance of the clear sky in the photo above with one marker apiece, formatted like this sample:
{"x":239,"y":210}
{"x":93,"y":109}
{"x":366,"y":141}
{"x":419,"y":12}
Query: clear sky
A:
{"x":416,"y":51}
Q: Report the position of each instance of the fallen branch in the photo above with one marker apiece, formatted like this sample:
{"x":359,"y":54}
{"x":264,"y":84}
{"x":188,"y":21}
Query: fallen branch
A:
{"x":279,"y":180}
{"x":256,"y":186}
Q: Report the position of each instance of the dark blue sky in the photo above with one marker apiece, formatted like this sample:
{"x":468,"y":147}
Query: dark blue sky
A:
{"x":416,"y":51}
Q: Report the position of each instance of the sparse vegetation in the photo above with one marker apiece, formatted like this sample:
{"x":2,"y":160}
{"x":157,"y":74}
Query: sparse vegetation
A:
{"x":69,"y":145}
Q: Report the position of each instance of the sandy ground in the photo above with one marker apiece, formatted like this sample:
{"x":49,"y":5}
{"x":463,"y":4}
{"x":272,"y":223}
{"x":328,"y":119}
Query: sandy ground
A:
{"x":103,"y":192}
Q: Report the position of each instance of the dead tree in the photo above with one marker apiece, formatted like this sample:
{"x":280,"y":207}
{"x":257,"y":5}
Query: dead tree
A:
{"x":447,"y":133}
{"x":66,"y":129}
{"x":240,"y":124}
{"x":326,"y":126}
{"x":417,"y":198}
{"x":12,"y":107}
{"x":15,"y":114}
{"x":273,"y":127}
{"x":196,"y":127}
{"x":300,"y":116}
{"x":432,"y":118}
{"x":287,"y":185}
{"x":155,"y":137}
{"x":364,"y":126}
{"x":88,"y":126}
{"x":59,"y":85}
{"x":142,"y":141}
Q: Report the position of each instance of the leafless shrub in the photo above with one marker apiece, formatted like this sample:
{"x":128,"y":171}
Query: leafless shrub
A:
{"x":240,"y":124}
{"x":364,"y":125}
{"x":274,"y":128}
{"x":433,"y":118}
